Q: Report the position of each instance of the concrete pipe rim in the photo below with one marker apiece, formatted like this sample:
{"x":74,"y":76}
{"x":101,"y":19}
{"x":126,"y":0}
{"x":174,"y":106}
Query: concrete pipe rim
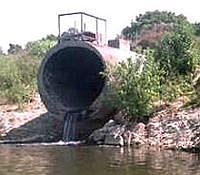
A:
{"x":47,"y":99}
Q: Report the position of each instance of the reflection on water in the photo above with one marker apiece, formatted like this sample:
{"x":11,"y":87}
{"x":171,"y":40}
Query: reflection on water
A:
{"x":89,"y":160}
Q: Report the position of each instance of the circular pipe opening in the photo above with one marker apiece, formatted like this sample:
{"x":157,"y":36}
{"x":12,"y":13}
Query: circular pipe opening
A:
{"x":71,"y":76}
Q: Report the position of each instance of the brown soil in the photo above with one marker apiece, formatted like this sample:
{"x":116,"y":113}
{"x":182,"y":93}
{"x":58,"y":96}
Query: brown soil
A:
{"x":12,"y":117}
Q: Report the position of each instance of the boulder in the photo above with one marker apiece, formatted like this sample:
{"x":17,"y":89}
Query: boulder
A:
{"x":110,"y":134}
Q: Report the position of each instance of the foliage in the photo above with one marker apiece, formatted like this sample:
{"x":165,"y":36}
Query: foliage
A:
{"x":196,"y":50}
{"x":197,"y":29}
{"x":132,"y":91}
{"x":150,"y":27}
{"x":159,"y":17}
{"x":40,"y":47}
{"x":14,"y":49}
{"x":177,"y":55}
{"x":19,"y":70}
{"x":176,"y":87}
{"x":150,"y":19}
{"x":175,"y":52}
{"x":196,"y":83}
{"x":18,"y":78}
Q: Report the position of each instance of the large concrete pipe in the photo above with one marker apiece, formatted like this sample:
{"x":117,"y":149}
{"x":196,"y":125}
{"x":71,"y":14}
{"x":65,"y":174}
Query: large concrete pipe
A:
{"x":70,"y":76}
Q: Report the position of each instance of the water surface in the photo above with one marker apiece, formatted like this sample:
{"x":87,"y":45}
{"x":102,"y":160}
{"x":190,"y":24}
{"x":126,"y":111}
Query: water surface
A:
{"x":92,"y":160}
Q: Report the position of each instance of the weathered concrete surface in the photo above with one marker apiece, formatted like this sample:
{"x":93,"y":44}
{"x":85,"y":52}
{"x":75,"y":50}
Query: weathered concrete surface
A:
{"x":44,"y":128}
{"x":34,"y":124}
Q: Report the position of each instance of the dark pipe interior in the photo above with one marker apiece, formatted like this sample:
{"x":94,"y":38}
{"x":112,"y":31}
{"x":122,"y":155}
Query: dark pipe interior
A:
{"x":73,"y":75}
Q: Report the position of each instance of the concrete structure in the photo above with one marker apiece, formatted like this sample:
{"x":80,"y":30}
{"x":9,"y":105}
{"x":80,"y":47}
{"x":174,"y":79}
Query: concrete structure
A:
{"x":70,"y":78}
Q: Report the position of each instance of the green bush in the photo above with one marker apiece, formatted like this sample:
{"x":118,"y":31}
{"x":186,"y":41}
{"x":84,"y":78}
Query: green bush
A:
{"x":177,"y":55}
{"x":175,"y":52}
{"x":131,"y":91}
{"x":39,"y":48}
{"x":18,"y":78}
{"x":176,"y":87}
{"x":18,"y":70}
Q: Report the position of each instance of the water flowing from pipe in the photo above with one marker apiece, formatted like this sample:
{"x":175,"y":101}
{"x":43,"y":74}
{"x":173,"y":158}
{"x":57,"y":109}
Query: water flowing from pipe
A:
{"x":69,"y":130}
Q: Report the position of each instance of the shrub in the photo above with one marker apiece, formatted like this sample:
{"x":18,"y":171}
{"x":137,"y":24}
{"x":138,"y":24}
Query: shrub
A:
{"x":131,"y":91}
{"x":39,"y":48}
{"x":177,"y":54}
{"x":18,"y":78}
{"x":174,"y":53}
{"x":176,"y":87}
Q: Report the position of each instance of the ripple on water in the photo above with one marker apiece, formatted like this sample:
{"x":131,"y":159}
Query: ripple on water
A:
{"x":60,"y":159}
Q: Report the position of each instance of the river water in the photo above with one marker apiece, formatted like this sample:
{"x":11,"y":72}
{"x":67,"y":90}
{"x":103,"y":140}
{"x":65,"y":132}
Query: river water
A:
{"x":52,"y":159}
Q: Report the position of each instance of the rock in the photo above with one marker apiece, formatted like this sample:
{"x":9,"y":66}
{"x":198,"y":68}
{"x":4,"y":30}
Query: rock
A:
{"x":178,"y":131}
{"x":138,"y":134}
{"x":119,"y":118}
{"x":168,"y":128}
{"x":96,"y":118}
{"x":181,"y":131}
{"x":114,"y":135}
{"x":111,"y":140}
{"x":110,"y":134}
{"x":99,"y":135}
{"x":110,"y":123}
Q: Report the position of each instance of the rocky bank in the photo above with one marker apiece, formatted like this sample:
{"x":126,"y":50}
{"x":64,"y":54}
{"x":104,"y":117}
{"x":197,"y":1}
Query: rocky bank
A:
{"x":170,"y":127}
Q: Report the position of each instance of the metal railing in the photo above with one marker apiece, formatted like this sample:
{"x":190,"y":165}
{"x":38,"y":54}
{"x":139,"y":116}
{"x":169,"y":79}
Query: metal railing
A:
{"x":82,"y":14}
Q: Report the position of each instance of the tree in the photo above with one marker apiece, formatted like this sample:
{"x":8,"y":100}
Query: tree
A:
{"x":197,"y":29}
{"x":175,"y":51}
{"x":150,"y":27}
{"x":158,"y":17}
{"x":40,"y":47}
{"x":14,"y":49}
{"x":51,"y":37}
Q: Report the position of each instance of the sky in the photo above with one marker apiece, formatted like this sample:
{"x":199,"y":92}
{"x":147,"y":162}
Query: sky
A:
{"x":29,"y":20}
